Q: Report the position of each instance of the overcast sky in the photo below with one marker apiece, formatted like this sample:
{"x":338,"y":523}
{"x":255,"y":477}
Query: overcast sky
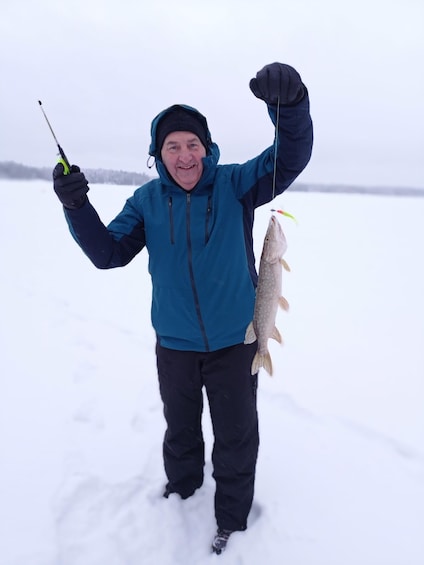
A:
{"x":104,"y":68}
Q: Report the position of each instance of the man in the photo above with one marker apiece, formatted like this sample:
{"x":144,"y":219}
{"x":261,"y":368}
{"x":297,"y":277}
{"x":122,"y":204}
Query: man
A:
{"x":196,"y":222}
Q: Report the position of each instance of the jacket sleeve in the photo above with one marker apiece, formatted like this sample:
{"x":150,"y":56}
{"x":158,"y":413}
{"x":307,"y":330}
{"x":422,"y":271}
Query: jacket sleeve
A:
{"x":254,"y":180}
{"x":111,"y":246}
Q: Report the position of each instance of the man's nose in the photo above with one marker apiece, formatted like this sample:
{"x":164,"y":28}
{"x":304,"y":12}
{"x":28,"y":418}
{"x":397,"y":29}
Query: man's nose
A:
{"x":185,"y":154}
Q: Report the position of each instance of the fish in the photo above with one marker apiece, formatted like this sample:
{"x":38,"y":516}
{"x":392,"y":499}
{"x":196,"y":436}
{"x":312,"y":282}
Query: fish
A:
{"x":268,"y":296}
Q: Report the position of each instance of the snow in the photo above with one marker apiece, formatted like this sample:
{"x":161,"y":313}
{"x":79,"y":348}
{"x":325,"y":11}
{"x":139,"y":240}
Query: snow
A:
{"x":340,"y":477}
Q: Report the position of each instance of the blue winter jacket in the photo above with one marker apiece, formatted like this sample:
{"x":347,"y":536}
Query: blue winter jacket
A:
{"x":200,"y":247}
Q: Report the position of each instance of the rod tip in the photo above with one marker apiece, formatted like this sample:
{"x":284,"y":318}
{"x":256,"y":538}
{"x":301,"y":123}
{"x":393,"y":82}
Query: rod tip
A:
{"x":39,"y":102}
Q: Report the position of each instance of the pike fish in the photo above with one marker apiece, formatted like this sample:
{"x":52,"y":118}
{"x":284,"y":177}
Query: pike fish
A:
{"x":268,"y":296}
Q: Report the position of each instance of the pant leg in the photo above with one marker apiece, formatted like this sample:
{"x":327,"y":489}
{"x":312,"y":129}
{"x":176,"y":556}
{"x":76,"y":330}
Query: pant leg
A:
{"x":231,"y":391}
{"x":181,"y":392}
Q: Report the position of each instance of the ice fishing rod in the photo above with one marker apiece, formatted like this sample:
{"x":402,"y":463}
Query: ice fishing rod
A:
{"x":63,"y":158}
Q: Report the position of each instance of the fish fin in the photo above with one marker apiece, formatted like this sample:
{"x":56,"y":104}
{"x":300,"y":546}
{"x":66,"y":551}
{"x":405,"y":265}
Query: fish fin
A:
{"x":262,"y":360}
{"x":285,"y":264}
{"x":250,"y":336}
{"x":276,"y":335}
{"x":282,"y":302}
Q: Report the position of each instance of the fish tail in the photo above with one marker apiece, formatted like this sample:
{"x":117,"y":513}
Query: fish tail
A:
{"x":262,"y":360}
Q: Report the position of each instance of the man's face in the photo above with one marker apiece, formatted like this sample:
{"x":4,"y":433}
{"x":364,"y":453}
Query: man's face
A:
{"x":182,"y":154}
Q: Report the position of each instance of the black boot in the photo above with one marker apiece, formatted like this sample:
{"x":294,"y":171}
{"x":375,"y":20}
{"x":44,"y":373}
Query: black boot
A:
{"x":220,"y":540}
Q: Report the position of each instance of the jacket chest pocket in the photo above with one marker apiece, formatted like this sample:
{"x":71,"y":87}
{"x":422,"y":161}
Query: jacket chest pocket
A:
{"x":207,"y":219}
{"x":171,"y":221}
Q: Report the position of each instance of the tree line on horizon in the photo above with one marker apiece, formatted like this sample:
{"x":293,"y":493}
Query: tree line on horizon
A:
{"x":17,"y":171}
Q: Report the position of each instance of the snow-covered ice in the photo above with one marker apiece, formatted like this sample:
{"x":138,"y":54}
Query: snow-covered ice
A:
{"x":340,"y":476}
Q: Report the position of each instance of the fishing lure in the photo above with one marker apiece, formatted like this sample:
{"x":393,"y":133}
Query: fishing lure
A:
{"x":284,"y":213}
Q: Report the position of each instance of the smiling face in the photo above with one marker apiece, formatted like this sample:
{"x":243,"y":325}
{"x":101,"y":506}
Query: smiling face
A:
{"x":182,"y":154}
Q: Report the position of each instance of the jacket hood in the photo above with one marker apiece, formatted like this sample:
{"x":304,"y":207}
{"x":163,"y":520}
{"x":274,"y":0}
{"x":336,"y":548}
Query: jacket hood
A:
{"x":209,"y":162}
{"x":154,"y":150}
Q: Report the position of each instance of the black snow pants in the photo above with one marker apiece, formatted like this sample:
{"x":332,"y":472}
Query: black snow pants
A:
{"x":231,"y":392}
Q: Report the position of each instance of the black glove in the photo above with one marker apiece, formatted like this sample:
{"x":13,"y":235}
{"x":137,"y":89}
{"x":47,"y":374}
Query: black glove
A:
{"x":72,"y":188}
{"x":276,"y":80}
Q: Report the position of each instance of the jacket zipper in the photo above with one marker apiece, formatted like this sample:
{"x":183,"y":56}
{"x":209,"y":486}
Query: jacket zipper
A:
{"x":171,"y":221}
{"x":192,"y":281}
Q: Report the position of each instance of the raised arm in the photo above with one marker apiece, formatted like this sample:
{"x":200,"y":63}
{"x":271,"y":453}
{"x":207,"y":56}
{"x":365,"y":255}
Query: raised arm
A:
{"x":281,"y":88}
{"x":106,"y":247}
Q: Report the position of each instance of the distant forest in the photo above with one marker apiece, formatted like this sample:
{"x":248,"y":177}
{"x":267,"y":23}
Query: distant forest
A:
{"x":16,"y":171}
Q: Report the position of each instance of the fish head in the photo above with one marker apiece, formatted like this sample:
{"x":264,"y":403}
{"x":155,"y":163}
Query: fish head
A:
{"x":275,"y":243}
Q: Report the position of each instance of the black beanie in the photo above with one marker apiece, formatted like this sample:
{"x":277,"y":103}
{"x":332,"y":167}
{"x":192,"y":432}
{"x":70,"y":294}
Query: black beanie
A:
{"x":179,"y":119}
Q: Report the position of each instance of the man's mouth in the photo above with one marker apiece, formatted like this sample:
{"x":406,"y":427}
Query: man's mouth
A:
{"x":187,"y":167}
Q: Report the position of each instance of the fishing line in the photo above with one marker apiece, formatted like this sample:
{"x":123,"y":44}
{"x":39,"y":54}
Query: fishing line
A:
{"x":274,"y":179}
{"x":275,"y":148}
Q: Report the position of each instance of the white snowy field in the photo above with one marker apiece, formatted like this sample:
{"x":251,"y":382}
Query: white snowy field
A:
{"x":340,"y":477}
